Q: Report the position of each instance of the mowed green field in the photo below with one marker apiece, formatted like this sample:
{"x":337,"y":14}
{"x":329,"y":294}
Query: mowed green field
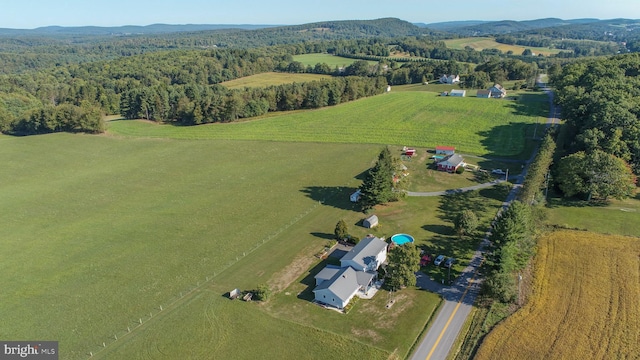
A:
{"x":621,"y":217}
{"x":271,"y":78}
{"x":331,"y":60}
{"x":479,"y":43}
{"x":99,"y":232}
{"x":472,"y":125}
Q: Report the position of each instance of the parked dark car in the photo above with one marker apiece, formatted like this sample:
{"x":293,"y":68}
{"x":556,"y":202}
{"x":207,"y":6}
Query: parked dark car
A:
{"x":449,"y":262}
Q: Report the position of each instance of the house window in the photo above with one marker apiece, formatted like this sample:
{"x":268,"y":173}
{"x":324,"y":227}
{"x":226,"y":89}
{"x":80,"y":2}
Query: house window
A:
{"x":324,"y":296}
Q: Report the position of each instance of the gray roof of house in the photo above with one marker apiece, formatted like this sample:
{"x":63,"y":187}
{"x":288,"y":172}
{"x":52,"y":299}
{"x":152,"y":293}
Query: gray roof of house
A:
{"x":342,"y":284}
{"x":457,"y":91}
{"x":453,"y":160}
{"x":365,"y":251}
{"x":328,"y":272}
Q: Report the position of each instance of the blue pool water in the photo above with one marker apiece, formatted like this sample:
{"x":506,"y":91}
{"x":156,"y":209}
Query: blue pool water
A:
{"x":401,"y":239}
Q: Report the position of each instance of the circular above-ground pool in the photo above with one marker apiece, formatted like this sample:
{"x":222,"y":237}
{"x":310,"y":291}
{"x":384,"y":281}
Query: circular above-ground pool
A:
{"x":401,"y":239}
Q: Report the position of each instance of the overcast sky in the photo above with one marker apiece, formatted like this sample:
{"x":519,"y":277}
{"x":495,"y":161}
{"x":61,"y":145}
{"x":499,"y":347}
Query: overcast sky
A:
{"x":28,"y":14}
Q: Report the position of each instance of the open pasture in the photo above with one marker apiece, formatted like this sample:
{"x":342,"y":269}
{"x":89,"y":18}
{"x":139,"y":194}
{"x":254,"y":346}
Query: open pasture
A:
{"x":331,"y":60}
{"x":584,"y":304}
{"x":99,"y":232}
{"x":271,"y":78}
{"x":474,"y":126}
{"x":620,"y":217}
{"x":480,"y":43}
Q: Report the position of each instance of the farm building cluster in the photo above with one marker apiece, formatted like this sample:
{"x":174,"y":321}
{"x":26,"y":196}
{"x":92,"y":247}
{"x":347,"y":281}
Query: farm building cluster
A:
{"x":447,"y":160}
{"x":356,"y":275}
{"x":495,"y":92}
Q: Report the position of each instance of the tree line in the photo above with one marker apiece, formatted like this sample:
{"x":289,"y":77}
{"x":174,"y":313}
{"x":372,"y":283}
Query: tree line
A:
{"x":600,"y":102}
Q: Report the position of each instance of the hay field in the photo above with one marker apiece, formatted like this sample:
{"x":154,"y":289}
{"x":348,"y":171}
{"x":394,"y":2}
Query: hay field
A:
{"x":584,"y":303}
{"x":480,"y":43}
{"x":271,"y":78}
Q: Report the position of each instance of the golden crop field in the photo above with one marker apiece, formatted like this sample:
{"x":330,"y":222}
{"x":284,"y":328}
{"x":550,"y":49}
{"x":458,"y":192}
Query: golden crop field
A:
{"x":271,"y":78}
{"x":585,"y":302}
{"x":480,"y":43}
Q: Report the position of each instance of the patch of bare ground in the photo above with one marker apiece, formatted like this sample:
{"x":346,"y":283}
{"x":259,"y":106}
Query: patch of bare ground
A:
{"x":367,"y":333}
{"x":285,"y":277}
{"x":386,"y":316}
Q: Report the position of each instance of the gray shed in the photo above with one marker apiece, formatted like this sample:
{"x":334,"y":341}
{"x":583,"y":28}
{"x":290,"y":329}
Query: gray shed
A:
{"x":371,"y":221}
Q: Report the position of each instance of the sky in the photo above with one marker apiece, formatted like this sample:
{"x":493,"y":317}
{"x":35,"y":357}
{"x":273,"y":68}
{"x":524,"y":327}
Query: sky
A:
{"x":29,"y":14}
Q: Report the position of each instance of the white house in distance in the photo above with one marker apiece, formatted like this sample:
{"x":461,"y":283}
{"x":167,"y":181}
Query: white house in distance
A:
{"x":457,"y":93}
{"x":336,"y":286}
{"x":497,"y":91}
{"x":449,"y":79}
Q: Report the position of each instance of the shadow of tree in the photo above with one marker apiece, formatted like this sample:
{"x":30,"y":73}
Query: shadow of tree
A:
{"x":454,"y":203}
{"x":503,"y":144}
{"x":530,"y":104}
{"x":324,"y":235}
{"x":440,"y":229}
{"x":558,"y":201}
{"x":335,"y":196}
{"x":310,"y":282}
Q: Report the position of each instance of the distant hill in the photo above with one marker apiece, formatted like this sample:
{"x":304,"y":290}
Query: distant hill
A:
{"x":450,"y":25}
{"x":504,"y":27}
{"x":387,"y":27}
{"x":126,"y":30}
{"x":620,"y":30}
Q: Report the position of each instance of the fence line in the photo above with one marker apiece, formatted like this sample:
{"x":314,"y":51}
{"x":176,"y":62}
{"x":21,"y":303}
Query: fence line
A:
{"x":142,"y":320}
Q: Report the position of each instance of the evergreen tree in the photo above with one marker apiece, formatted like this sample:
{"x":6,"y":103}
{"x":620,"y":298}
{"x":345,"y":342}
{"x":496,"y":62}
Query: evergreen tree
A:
{"x":341,"y":231}
{"x":377,"y":187}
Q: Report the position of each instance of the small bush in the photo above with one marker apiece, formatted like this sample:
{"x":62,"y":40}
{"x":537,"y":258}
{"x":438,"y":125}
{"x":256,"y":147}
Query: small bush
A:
{"x":460,"y":170}
{"x":262,"y":293}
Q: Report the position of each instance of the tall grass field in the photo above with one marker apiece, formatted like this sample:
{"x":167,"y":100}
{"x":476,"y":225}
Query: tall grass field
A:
{"x":480,"y":43}
{"x":271,"y":78}
{"x":584,"y":303}
{"x":472,"y":125}
{"x":331,"y":60}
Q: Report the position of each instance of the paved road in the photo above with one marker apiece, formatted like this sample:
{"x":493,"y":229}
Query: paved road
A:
{"x":459,"y":297}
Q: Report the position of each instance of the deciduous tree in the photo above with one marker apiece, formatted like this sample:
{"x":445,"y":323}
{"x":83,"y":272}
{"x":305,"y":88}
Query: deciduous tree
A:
{"x":404,"y":261}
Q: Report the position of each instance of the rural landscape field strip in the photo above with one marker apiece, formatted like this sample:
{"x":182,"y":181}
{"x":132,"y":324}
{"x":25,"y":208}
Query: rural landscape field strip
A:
{"x":408,"y":118}
{"x":480,"y":43}
{"x":271,"y":78}
{"x":584,"y":303}
{"x":150,"y":218}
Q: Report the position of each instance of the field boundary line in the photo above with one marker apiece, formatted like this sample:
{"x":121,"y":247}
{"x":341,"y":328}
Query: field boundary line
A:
{"x":173,"y":305}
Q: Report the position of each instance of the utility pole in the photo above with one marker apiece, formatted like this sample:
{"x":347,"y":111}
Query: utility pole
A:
{"x":506,"y":176}
{"x":519,"y":281}
{"x":546,"y":187}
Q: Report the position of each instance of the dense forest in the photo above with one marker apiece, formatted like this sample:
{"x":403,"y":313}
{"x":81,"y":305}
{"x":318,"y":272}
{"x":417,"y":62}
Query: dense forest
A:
{"x":176,"y":77}
{"x":600,"y":100}
{"x":183,"y":85}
